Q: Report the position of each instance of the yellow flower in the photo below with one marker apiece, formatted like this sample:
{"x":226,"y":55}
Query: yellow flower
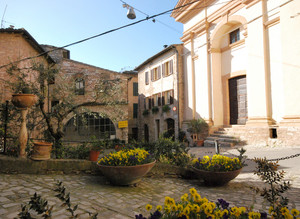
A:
{"x":167,"y":209}
{"x":184,"y":197}
{"x":180,"y":207}
{"x":271,"y":209}
{"x":173,"y":208}
{"x":295,"y":212}
{"x":148,"y":207}
{"x":197,"y":198}
{"x":186,"y":211}
{"x":284,"y":211}
{"x":193,"y":191}
{"x":159,"y":207}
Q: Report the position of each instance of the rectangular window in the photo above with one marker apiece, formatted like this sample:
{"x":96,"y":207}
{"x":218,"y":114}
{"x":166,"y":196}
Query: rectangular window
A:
{"x":167,"y":68}
{"x":135,"y":89}
{"x":135,"y":110}
{"x":53,"y":104}
{"x":155,"y":73}
{"x":235,"y":36}
{"x":168,"y":97}
{"x":79,"y":86}
{"x":146,"y":77}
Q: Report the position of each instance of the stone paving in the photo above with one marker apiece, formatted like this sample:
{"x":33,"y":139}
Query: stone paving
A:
{"x":94,"y":194}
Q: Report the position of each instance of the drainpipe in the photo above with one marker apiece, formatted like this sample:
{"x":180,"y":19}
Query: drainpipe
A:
{"x":177,"y":69}
{"x":193,"y":76}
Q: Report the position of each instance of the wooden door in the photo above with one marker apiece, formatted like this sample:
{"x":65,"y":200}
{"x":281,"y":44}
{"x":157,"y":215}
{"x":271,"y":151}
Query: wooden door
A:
{"x":238,"y":100}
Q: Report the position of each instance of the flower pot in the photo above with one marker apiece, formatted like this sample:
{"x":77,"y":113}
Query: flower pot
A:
{"x":41,"y":151}
{"x":125,"y":175}
{"x":23,"y":100}
{"x":212,"y":178}
{"x":200,"y":143}
{"x":94,"y":155}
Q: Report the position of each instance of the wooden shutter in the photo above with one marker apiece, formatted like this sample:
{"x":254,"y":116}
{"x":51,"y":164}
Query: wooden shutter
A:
{"x":158,"y":72}
{"x":163,"y":69}
{"x":152,"y":101}
{"x":163,"y":99}
{"x":147,"y":77}
{"x":149,"y":103}
{"x":152,"y":76}
{"x":159,"y":99}
{"x":171,"y":96}
{"x":171,"y":66}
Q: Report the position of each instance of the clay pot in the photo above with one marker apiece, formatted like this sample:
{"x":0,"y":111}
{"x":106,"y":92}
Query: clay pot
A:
{"x":212,"y":178}
{"x":41,"y":151}
{"x":94,"y":155}
{"x":23,"y":100}
{"x":125,"y":175}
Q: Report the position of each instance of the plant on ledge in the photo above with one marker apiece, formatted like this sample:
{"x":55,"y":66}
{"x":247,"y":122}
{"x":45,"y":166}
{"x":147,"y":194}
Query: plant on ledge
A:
{"x":166,"y":108}
{"x":145,"y":112}
{"x":155,"y":109}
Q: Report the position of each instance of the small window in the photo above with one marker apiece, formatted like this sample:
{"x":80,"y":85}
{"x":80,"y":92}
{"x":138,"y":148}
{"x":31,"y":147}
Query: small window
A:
{"x":235,"y":36}
{"x":79,"y":86}
{"x":146,"y":77}
{"x":167,"y":68}
{"x":135,"y":89}
{"x":155,"y":73}
{"x":156,"y":98}
{"x":168,"y":97}
{"x":135,"y":110}
{"x":53,"y":104}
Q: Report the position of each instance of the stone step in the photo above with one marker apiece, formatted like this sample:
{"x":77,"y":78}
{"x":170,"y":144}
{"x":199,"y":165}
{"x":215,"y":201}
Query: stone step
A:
{"x":210,"y":143}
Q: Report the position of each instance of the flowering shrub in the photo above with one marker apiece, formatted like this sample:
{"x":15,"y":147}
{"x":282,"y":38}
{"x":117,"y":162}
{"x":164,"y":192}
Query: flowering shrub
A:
{"x":194,"y":206}
{"x":217,"y":163}
{"x":126,"y":158}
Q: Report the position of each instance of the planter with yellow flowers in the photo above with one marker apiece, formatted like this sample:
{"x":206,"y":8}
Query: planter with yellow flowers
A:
{"x":126,"y":167}
{"x":218,"y":169}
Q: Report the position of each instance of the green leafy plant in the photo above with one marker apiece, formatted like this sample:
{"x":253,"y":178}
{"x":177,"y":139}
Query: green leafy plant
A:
{"x":145,"y":112}
{"x":197,"y":126}
{"x":273,"y":192}
{"x":166,"y":108}
{"x":155,"y":109}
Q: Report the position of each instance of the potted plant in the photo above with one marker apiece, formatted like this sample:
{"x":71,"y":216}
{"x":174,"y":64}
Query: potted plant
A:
{"x":96,"y":147}
{"x":218,"y":169}
{"x":155,"y":109}
{"x":23,"y":98}
{"x":198,"y":128}
{"x":126,"y":167}
{"x":41,"y":150}
{"x":145,"y":112}
{"x":166,"y":108}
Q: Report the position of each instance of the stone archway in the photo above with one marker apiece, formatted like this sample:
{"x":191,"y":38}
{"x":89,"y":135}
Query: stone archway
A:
{"x":224,"y":62}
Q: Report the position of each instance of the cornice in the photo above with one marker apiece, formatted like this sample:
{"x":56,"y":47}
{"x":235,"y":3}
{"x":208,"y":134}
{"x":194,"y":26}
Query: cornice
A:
{"x":218,"y":15}
{"x":272,"y":22}
{"x":233,"y":45}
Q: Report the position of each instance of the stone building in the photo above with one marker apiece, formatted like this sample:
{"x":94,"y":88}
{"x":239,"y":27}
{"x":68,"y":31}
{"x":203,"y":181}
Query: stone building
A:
{"x":160,"y":81}
{"x":241,"y":67}
{"x":99,"y":118}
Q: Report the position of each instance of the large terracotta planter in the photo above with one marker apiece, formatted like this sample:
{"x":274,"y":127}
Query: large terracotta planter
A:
{"x":216,"y":178}
{"x":41,"y":151}
{"x":125,"y":175}
{"x":23,"y":100}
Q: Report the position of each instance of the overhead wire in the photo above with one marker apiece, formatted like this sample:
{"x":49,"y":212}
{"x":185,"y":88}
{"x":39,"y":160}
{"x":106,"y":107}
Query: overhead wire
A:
{"x":131,"y":24}
{"x":101,"y":34}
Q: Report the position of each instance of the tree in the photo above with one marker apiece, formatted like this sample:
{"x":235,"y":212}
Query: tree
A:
{"x":38,"y":78}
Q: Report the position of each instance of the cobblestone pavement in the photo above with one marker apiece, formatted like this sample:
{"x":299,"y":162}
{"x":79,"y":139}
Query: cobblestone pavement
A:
{"x":93,"y":194}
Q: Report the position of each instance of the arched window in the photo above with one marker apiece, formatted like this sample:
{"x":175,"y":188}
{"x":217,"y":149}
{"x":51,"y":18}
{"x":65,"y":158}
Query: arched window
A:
{"x":84,"y":126}
{"x":79,"y":86}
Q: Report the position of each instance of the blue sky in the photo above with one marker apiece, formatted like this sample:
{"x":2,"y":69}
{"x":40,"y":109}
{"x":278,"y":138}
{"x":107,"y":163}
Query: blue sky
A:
{"x":60,"y":22}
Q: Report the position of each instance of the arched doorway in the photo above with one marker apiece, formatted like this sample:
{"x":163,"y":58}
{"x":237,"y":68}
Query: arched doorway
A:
{"x":238,"y":100}
{"x":83,"y":127}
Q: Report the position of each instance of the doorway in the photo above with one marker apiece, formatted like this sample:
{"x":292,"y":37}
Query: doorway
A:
{"x":238,"y":100}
